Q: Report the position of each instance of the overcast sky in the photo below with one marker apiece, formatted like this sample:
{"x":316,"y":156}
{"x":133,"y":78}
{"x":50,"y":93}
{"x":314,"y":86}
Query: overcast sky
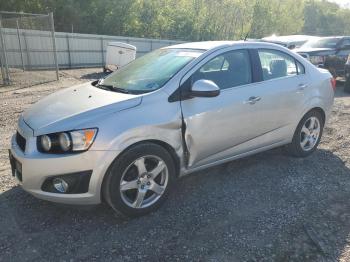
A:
{"x":344,"y":3}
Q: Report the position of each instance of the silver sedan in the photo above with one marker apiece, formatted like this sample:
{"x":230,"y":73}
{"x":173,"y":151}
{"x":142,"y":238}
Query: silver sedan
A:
{"x":125,"y":139}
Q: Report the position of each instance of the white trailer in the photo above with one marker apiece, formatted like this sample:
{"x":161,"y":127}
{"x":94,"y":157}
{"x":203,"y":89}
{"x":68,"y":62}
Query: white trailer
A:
{"x":118,"y":54}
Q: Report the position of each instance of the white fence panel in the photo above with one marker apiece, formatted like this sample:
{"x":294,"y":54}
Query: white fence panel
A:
{"x":73,"y":50}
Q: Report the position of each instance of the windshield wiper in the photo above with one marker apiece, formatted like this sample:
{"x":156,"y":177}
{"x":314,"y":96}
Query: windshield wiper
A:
{"x":121,"y":90}
{"x":113,"y":88}
{"x":105,"y":87}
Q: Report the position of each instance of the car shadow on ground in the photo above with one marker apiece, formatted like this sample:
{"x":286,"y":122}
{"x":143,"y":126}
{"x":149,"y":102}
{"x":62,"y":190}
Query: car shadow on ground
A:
{"x":265,"y":207}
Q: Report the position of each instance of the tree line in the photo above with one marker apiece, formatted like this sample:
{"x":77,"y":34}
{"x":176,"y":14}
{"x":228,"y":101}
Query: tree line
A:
{"x":191,"y":20}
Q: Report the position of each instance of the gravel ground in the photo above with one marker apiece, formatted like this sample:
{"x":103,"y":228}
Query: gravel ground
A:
{"x":268,"y":207}
{"x":21,"y":78}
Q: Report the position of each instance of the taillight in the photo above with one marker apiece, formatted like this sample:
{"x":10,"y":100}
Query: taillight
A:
{"x":334,"y":83}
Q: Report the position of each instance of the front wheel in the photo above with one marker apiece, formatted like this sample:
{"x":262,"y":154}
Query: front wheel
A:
{"x":139,"y":180}
{"x":307,"y":136}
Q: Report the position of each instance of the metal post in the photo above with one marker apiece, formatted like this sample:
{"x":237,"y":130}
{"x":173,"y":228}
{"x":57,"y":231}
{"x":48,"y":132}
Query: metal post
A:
{"x":5,"y":70}
{"x":20,"y":45}
{"x":29,"y":64}
{"x":68,"y":47}
{"x":151,"y":45}
{"x":54,"y":43}
{"x":2,"y":69}
{"x":102,"y":53}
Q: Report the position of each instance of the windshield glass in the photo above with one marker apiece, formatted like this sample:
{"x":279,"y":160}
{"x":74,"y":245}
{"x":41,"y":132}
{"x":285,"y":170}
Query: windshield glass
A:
{"x":322,"y":43}
{"x":151,"y":71}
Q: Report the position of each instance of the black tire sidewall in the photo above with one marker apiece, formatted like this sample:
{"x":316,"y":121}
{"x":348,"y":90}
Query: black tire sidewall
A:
{"x":111,"y":190}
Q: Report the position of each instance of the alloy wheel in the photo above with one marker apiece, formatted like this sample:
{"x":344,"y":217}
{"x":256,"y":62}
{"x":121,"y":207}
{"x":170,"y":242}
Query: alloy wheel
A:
{"x":144,"y":181}
{"x":310,"y":133}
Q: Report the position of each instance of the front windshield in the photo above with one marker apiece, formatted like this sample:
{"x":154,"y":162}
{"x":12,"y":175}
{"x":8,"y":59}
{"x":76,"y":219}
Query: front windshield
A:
{"x":322,"y":43}
{"x":151,"y":71}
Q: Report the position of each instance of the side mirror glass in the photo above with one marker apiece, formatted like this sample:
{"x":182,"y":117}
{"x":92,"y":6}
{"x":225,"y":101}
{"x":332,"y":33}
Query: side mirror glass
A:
{"x":204,"y":88}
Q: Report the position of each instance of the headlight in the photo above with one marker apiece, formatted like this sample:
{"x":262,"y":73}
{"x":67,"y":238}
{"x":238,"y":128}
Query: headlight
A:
{"x":46,"y":142}
{"x":71,"y":141}
{"x":316,"y":60}
{"x":65,"y":141}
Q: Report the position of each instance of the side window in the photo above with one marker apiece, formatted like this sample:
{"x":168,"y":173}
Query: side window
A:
{"x":345,"y":43}
{"x":276,"y":64}
{"x":214,"y":64}
{"x":227,"y":70}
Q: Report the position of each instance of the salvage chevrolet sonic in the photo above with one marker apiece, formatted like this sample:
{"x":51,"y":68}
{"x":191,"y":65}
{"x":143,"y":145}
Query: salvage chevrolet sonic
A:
{"x":126,"y":138}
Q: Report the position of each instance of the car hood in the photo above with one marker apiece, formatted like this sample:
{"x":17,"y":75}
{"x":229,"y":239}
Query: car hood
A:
{"x":73,"y":107}
{"x":313,"y":50}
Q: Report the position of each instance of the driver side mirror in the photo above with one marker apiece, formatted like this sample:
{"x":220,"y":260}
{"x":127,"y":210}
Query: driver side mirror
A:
{"x":204,"y":88}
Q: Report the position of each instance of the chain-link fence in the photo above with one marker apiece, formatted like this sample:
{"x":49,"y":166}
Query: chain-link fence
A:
{"x":27,"y":49}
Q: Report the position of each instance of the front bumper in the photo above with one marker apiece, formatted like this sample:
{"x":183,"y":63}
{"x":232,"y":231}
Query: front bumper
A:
{"x":36,"y":167}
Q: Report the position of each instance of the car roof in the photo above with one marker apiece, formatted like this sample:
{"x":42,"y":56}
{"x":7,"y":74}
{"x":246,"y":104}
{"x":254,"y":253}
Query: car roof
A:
{"x":333,"y":37}
{"x":209,"y":45}
{"x":205,"y":45}
{"x":289,"y":38}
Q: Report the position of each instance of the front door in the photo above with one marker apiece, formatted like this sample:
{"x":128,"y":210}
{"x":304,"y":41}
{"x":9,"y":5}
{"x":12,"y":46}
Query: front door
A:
{"x":216,"y":125}
{"x":246,"y":115}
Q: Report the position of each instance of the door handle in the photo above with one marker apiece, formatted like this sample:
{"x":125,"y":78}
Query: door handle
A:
{"x":301,"y":87}
{"x":252,"y":100}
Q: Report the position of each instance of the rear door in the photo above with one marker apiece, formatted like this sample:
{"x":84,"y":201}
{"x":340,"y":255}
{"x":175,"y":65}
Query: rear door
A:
{"x":282,"y":90}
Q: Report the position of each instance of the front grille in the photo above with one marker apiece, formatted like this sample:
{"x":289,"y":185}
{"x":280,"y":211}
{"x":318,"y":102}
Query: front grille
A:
{"x":21,"y":141}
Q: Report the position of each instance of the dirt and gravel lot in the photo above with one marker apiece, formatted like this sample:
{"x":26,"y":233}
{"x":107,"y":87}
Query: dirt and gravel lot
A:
{"x":268,"y":207}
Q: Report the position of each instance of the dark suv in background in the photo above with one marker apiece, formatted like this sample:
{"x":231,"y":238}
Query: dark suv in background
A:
{"x":347,"y":75}
{"x":328,"y":52}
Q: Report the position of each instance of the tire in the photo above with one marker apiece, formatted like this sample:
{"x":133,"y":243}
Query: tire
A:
{"x":134,"y":177}
{"x":298,"y":147}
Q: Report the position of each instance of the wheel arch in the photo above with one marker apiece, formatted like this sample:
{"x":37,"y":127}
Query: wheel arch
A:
{"x":315,"y":108}
{"x":163,"y":144}
{"x":320,"y":110}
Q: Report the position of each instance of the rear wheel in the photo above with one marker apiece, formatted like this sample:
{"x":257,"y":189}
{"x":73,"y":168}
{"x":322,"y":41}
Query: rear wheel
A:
{"x":307,"y":136}
{"x":139,"y":180}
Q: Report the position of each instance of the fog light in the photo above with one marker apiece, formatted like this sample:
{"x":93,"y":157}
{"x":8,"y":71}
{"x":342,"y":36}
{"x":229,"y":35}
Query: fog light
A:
{"x":60,"y":185}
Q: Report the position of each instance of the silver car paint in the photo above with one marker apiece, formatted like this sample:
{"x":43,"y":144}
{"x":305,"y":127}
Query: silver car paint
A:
{"x":218,"y":129}
{"x":71,"y":107}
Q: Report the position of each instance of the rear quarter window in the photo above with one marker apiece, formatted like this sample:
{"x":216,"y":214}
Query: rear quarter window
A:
{"x":277,"y":64}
